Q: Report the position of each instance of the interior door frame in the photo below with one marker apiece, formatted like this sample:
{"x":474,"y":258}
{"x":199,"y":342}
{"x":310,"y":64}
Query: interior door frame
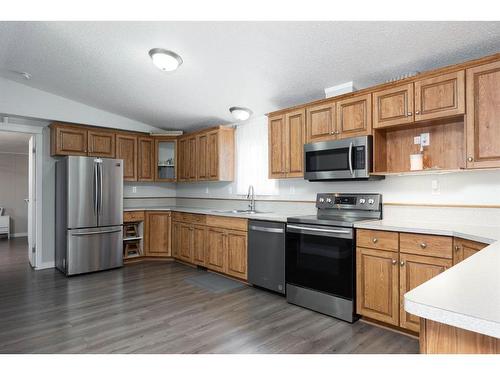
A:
{"x":36,"y":132}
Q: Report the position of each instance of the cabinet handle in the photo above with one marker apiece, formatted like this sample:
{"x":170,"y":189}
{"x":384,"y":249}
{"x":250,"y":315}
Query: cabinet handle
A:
{"x":332,"y":133}
{"x":409,"y":114}
{"x":402,"y":263}
{"x":337,"y":132}
{"x":423,"y":245}
{"x":470,"y":158}
{"x":375,"y":240}
{"x":457,"y":247}
{"x":417,"y":112}
{"x":394,"y":261}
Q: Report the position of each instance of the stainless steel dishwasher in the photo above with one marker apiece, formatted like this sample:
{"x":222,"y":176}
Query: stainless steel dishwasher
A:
{"x":266,"y":254}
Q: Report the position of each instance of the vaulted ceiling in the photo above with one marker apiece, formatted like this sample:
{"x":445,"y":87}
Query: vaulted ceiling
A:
{"x":261,"y":65}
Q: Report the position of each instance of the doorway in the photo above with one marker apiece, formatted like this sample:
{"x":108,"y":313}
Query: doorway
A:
{"x":18,"y":216}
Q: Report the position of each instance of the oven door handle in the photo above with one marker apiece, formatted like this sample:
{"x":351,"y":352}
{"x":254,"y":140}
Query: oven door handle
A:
{"x":320,"y":231}
{"x":350,"y":159}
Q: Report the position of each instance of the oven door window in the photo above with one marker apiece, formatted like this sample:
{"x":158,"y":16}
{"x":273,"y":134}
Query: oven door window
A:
{"x":321,"y":263}
{"x":336,"y":159}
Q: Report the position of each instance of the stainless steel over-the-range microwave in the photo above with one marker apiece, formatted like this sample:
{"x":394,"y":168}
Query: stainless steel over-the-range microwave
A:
{"x":343,"y":159}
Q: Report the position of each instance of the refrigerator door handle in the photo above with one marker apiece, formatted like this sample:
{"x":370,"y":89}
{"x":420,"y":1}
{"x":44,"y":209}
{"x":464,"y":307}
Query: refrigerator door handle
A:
{"x":97,"y":232}
{"x":100,"y":188}
{"x":96,"y":178}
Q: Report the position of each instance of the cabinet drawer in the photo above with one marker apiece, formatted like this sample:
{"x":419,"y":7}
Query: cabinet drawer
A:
{"x":131,"y":216}
{"x":378,"y":239}
{"x":189,"y":218}
{"x":226,"y":222}
{"x":428,"y":245}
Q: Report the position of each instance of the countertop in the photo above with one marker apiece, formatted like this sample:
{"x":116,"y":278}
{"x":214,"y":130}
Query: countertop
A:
{"x":468,"y":294}
{"x":269,"y":216}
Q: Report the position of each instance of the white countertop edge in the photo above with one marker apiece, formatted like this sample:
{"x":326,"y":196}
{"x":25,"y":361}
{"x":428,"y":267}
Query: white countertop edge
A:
{"x":452,"y":318}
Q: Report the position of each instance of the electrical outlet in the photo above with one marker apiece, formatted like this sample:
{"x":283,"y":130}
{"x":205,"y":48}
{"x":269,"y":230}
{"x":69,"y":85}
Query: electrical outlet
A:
{"x":436,"y":190}
{"x":292,"y":190}
{"x":134,"y":189}
{"x":416,"y":140}
{"x":206,"y":190}
{"x":425,"y":139}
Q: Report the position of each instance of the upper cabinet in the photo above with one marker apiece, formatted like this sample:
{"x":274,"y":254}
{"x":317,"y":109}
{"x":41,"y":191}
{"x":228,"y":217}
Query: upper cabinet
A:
{"x":126,"y":149}
{"x":483,"y":116}
{"x":145,"y":159}
{"x":68,"y":140}
{"x":286,"y":137}
{"x":354,"y":116}
{"x":393,"y":106}
{"x":165,"y":159}
{"x":320,"y":123}
{"x":101,"y":143}
{"x":207,"y":155}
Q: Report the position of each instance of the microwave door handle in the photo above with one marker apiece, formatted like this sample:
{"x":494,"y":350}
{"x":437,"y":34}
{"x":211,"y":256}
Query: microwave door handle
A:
{"x":350,"y":159}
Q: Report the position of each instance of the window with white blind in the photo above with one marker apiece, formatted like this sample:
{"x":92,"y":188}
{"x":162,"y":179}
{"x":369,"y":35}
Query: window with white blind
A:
{"x":251,"y":159}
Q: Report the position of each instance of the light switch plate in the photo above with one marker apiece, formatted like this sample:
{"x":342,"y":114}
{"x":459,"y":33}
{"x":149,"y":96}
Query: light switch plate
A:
{"x":435,"y":187}
{"x":425,"y":139}
{"x":134,"y":189}
{"x":416,"y":140}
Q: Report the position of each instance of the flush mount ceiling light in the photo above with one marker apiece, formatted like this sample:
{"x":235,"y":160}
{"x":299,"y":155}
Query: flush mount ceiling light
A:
{"x":165,"y":60}
{"x":240,"y":113}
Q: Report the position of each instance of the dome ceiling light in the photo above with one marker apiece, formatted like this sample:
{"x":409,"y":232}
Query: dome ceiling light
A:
{"x":240,"y":113}
{"x":165,"y":60}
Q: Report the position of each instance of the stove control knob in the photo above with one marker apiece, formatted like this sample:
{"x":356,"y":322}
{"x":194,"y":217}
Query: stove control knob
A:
{"x":321,"y":200}
{"x":371,"y":201}
{"x":328,"y":200}
{"x":362,"y":200}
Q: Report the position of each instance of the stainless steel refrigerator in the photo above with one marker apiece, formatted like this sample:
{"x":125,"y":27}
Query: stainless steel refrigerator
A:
{"x":89,"y":214}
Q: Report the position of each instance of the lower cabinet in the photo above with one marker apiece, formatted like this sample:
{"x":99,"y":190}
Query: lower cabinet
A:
{"x":216,"y":243}
{"x":462,"y":249}
{"x":199,"y":244}
{"x":378,"y":285}
{"x":185,"y":242}
{"x":157,"y":239}
{"x":236,"y":250}
{"x":416,"y":270}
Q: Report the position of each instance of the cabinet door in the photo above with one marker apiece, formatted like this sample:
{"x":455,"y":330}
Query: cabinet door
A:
{"x":354,"y":116}
{"x":277,"y":147}
{"x":176,"y":232}
{"x":213,"y":155}
{"x":320,"y":123}
{"x":192,"y":159}
{"x":463,"y":249}
{"x":483,"y":116}
{"x":295,"y":132}
{"x":101,"y":144}
{"x":199,"y":240}
{"x":215,"y":257}
{"x":181,"y":159}
{"x":440,"y":96}
{"x":145,"y":159}
{"x":157,"y":233}
{"x":201,"y":157}
{"x":185,"y":242}
{"x":237,"y":254}
{"x":393,"y":106}
{"x":416,"y":270}
{"x":126,"y":149}
{"x":377,"y":285}
{"x":68,"y":140}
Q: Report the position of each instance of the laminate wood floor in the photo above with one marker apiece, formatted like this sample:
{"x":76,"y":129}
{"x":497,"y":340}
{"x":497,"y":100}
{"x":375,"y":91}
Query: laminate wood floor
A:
{"x":150,"y":308}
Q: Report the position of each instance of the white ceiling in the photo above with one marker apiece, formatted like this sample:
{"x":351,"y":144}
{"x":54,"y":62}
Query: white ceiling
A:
{"x":13,"y":143}
{"x":261,"y":65}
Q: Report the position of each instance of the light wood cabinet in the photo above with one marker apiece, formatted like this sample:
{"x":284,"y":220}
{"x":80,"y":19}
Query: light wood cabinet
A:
{"x":202,"y":157}
{"x":185,"y":242}
{"x":165,"y":160}
{"x":320,"y":123}
{"x":483,"y":116}
{"x":236,"y":243}
{"x":377,"y":285}
{"x":126,"y":149}
{"x":286,"y":134}
{"x":354,"y":116}
{"x":440,"y":96}
{"x":199,"y":245}
{"x":213,"y":156}
{"x":377,"y":239}
{"x":415,"y":270}
{"x":462,"y":249}
{"x":425,"y":244}
{"x":101,"y":143}
{"x":157,"y":233}
{"x":176,"y":231}
{"x":393,"y":106}
{"x":68,"y":140}
{"x":216,"y":244}
{"x":192,"y":164}
{"x":145,"y":159}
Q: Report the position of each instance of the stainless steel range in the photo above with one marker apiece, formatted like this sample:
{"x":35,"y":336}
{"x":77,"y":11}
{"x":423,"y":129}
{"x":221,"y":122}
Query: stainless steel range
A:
{"x":320,"y":259}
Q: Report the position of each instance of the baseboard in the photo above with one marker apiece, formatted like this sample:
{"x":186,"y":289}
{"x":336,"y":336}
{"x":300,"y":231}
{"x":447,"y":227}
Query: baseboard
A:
{"x":45,"y":265}
{"x":15,"y":235}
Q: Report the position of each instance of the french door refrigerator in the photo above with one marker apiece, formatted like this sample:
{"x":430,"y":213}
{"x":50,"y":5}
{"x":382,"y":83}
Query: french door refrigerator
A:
{"x":89,"y":214}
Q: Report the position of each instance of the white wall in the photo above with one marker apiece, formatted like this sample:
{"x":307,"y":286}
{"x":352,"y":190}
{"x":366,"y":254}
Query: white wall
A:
{"x":468,"y":187}
{"x":21,"y":100}
{"x":14,"y":189}
{"x":148,"y":189}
